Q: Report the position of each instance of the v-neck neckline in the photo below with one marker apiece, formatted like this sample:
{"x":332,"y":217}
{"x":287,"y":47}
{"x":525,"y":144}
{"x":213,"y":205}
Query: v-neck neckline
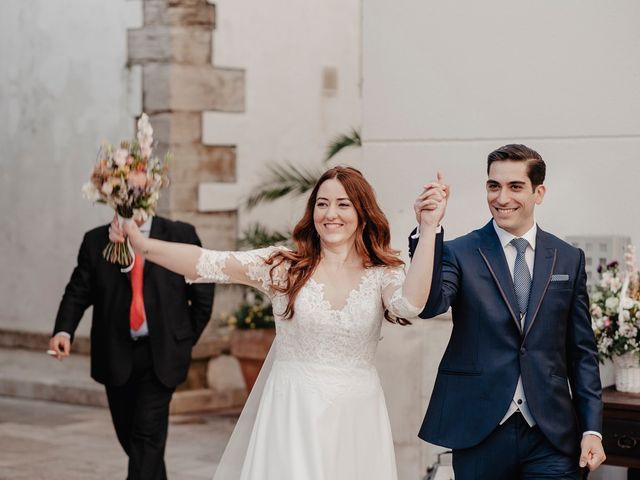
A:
{"x":352,"y":292}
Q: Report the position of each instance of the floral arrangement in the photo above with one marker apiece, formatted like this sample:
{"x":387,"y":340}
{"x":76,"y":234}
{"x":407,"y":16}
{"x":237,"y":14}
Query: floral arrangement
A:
{"x":254,"y":313}
{"x":615,"y":309}
{"x":128,"y":178}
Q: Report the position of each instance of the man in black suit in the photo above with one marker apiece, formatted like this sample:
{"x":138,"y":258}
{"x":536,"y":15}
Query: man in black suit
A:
{"x":143,"y":328}
{"x":518,"y":393}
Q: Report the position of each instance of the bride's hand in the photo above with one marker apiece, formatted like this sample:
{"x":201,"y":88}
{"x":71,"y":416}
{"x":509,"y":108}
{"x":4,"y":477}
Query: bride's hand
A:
{"x":118,"y":233}
{"x":136,"y":238}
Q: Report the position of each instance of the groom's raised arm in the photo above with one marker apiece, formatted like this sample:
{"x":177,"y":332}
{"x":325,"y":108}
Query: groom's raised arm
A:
{"x":444,"y":284}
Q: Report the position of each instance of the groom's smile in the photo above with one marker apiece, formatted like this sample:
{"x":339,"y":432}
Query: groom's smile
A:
{"x":512,"y":197}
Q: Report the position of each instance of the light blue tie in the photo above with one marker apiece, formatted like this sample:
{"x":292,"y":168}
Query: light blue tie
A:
{"x":521,"y":276}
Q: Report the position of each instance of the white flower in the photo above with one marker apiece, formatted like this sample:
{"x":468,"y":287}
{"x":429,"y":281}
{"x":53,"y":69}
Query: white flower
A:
{"x":596,"y":297}
{"x":140,"y":214}
{"x":145,"y":135}
{"x":604,"y":345}
{"x":627,"y":330}
{"x":611,"y":303}
{"x":616,"y":284}
{"x":625,"y":316}
{"x":596,"y":311}
{"x":626,"y":303}
{"x":107,"y":188}
{"x":144,"y":127}
{"x":120,"y":157}
{"x":145,"y":149}
{"x":90,"y":192}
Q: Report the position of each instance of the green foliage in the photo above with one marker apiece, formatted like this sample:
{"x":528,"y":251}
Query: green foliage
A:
{"x":351,"y":139}
{"x":282,"y":180}
{"x":259,"y":236}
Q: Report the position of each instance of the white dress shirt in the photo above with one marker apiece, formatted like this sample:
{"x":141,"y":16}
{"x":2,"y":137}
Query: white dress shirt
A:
{"x":519,"y":401}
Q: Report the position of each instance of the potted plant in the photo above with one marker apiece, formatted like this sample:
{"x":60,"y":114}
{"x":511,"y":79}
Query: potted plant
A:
{"x":253,"y":331}
{"x":615,"y":314}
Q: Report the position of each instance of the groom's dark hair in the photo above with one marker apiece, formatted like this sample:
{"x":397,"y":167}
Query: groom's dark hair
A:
{"x":521,"y":153}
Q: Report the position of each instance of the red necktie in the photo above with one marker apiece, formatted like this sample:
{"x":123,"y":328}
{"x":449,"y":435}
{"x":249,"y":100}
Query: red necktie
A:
{"x":136,"y":313}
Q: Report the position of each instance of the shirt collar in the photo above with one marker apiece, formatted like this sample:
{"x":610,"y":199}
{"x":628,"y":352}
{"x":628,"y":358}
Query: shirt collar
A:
{"x":146,"y":226}
{"x":506,"y":237}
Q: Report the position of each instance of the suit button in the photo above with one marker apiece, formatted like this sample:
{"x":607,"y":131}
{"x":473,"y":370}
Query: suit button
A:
{"x":523,"y":350}
{"x":519,"y":401}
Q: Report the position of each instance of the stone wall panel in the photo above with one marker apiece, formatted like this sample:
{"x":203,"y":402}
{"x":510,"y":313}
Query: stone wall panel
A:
{"x":192,"y":88}
{"x":176,"y":128}
{"x":161,"y":12}
{"x":204,"y":163}
{"x":160,"y":43}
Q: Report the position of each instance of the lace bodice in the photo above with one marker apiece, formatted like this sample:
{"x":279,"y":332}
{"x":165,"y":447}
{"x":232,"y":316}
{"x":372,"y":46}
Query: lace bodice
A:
{"x":317,"y":332}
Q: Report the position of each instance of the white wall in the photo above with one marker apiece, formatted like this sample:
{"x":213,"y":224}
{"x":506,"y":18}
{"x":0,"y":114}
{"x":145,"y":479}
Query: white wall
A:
{"x":64,"y":87}
{"x":68,"y":88}
{"x":284,"y":46}
{"x":447,"y":82}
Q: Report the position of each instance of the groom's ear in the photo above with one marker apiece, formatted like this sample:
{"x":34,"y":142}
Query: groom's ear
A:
{"x":539,"y":191}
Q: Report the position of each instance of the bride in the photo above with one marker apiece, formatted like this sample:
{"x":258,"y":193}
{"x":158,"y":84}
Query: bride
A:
{"x":318,"y":411}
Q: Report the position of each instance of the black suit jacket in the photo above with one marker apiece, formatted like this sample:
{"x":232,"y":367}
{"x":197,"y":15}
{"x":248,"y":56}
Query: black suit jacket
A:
{"x":176,"y":312}
{"x":555,"y":352}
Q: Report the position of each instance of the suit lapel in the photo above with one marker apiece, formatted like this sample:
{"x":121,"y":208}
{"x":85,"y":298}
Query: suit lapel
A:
{"x":493,"y":255}
{"x":543,"y":265}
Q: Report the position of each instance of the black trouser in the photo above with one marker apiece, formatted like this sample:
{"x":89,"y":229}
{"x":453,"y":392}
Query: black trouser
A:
{"x":140,"y":414}
{"x":515,"y":451}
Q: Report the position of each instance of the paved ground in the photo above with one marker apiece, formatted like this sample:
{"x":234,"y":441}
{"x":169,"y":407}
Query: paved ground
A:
{"x":48,"y":440}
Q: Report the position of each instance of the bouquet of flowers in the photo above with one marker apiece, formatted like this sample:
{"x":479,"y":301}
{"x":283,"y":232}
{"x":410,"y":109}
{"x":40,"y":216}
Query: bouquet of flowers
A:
{"x":615,"y":310}
{"x":128,"y":178}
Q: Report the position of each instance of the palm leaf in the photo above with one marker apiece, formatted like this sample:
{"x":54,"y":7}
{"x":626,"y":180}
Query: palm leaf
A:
{"x":352,"y":139}
{"x":282,"y":180}
{"x":259,"y":236}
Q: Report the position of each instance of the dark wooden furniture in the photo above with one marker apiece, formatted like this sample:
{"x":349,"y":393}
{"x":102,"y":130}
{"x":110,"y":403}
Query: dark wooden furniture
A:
{"x":621,"y":430}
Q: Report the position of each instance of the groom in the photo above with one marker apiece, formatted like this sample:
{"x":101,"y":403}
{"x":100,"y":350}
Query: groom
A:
{"x":518,"y":393}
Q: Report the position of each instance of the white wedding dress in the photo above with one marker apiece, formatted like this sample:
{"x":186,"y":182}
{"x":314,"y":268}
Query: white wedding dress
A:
{"x":318,"y":411}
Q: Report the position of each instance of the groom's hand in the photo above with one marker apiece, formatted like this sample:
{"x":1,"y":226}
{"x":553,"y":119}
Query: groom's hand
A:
{"x":431,"y":204}
{"x":592,"y":454}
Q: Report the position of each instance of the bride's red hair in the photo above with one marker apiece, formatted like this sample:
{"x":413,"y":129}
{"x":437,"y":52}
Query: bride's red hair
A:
{"x":372,"y":242}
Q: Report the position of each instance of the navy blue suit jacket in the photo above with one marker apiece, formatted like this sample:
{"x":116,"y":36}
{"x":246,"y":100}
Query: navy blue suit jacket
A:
{"x":555,"y":352}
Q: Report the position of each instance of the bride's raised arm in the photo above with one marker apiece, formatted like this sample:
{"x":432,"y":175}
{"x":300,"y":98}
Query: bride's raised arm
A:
{"x":200,"y":265}
{"x":409,"y":299}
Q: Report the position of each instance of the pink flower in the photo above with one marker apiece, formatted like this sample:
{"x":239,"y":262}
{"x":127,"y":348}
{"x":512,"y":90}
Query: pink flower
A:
{"x":607,"y":322}
{"x":137,"y":179}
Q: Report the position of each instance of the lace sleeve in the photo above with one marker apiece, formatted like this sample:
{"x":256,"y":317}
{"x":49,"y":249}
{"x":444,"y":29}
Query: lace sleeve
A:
{"x":398,"y":306}
{"x":248,"y":268}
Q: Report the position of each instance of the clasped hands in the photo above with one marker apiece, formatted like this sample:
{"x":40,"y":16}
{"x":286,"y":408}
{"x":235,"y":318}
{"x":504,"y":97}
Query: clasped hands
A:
{"x":431,"y":204}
